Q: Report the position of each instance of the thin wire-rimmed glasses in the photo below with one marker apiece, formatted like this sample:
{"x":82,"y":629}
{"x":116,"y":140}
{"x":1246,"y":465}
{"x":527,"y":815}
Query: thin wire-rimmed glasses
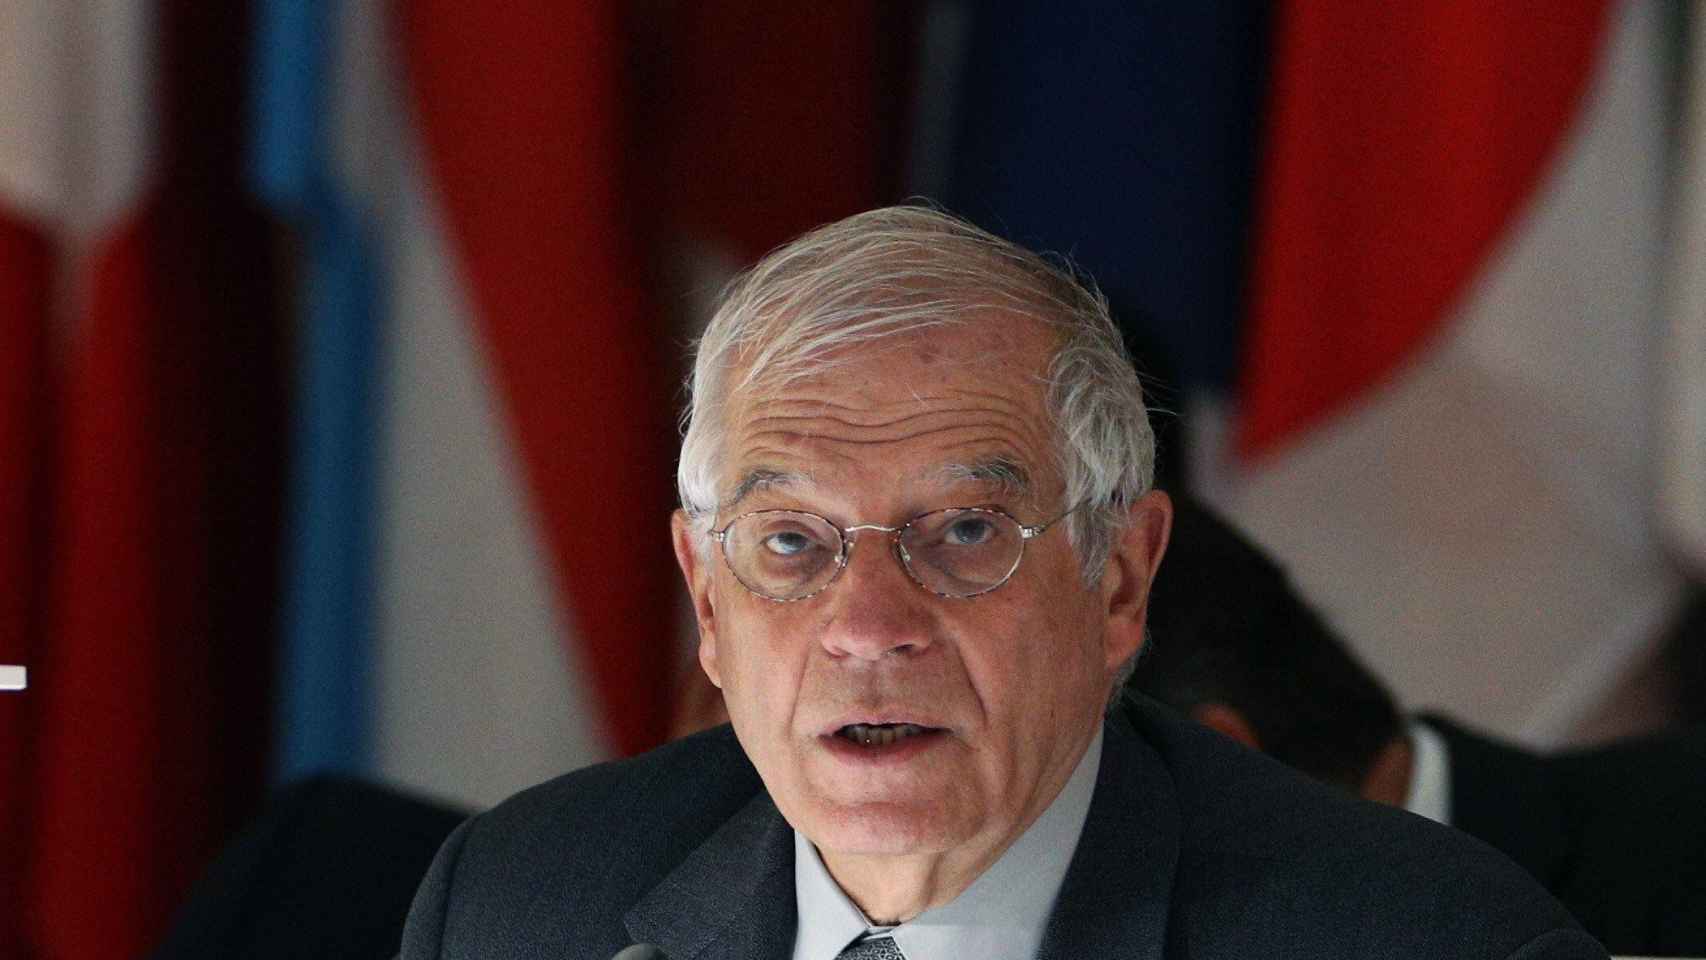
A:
{"x":956,"y":552}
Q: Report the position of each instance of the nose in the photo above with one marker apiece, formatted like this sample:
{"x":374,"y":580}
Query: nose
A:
{"x":877,"y":610}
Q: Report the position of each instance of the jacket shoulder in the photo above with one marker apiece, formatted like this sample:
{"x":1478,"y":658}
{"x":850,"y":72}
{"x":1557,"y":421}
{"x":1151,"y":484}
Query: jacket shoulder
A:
{"x":1264,"y":848}
{"x":703,"y":777}
{"x":571,"y":855}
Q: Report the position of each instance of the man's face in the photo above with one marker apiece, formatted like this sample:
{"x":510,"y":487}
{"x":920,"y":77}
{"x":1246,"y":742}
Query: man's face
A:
{"x":1008,"y":687}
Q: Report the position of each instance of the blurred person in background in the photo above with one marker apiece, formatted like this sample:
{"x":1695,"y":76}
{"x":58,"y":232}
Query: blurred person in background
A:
{"x":1617,"y":832}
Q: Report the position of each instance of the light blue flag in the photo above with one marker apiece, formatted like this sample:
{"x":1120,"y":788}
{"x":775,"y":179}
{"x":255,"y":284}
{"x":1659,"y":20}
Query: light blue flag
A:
{"x":324,"y":669}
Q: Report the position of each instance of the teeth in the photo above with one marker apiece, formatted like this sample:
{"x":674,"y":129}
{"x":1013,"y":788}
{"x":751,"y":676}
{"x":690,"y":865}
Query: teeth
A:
{"x":879,"y":734}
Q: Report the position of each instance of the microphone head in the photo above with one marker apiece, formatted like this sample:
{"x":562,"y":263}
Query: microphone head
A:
{"x":640,"y":951}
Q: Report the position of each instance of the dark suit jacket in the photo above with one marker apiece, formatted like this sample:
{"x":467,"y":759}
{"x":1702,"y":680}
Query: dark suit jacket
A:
{"x":1193,"y":847}
{"x":1618,"y":833}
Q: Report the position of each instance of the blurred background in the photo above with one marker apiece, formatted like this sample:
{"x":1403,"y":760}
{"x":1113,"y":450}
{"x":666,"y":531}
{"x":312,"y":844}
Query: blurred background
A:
{"x":341,"y":342}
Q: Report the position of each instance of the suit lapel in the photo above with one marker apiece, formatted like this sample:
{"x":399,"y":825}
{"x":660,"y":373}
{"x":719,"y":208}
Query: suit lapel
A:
{"x":731,"y":898}
{"x":1117,"y":894}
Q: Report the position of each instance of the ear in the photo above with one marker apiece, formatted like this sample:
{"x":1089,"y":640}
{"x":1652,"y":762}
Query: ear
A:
{"x":1228,"y":721}
{"x":1131,"y":569}
{"x":697,"y":571}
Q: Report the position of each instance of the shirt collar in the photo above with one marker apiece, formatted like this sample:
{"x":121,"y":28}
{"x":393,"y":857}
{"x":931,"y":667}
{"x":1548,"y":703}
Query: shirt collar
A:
{"x":1429,"y":793}
{"x":1001,"y":916}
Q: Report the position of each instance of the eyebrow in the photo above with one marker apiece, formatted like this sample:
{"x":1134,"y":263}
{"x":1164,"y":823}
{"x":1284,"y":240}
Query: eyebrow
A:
{"x":1004,"y":472}
{"x":1008,"y":474}
{"x":759,"y":479}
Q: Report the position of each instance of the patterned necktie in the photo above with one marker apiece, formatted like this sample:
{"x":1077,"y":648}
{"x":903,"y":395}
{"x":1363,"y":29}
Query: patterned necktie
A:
{"x":875,"y":948}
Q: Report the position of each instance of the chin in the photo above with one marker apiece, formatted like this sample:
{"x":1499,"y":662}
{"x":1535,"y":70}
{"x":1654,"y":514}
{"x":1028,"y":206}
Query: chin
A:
{"x":885,"y":828}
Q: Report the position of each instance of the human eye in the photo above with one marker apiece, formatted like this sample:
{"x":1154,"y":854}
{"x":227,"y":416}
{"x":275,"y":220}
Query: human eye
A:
{"x":782,"y":554}
{"x":787,"y":543}
{"x":969,"y":530}
{"x":956,"y":530}
{"x":788,"y":537}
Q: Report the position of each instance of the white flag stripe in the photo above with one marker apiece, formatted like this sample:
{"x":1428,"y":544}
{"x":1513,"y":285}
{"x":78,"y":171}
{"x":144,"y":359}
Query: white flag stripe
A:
{"x":478,"y":697}
{"x":34,"y":106}
{"x":76,"y":86}
{"x":110,"y":117}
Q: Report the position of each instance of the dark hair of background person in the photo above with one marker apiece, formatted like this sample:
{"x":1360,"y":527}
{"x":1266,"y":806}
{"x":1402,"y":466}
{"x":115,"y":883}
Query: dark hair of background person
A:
{"x":1227,"y":627}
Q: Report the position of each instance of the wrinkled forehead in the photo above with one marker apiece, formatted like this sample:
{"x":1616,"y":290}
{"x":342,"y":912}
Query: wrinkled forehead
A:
{"x":998,"y":347}
{"x":959,"y":401}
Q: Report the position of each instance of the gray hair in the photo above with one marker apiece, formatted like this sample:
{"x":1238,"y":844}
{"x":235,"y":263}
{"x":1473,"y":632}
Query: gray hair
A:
{"x":899,"y":270}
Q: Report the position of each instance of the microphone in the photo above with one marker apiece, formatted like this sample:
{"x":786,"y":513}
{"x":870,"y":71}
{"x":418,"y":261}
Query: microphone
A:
{"x":640,"y":951}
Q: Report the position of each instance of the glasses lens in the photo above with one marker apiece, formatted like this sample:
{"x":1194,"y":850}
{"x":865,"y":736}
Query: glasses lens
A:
{"x":962,"y":552}
{"x":782,"y":554}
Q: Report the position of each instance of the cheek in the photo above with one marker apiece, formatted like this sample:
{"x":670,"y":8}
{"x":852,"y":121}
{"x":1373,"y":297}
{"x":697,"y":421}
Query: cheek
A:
{"x":1053,"y":658}
{"x":759,"y":662}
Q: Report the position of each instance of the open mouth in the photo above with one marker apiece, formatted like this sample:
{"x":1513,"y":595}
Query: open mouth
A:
{"x":880,"y":734}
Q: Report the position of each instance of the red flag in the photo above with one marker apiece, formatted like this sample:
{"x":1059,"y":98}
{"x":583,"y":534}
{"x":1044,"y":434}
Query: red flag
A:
{"x":109,"y":764}
{"x":520,"y":110}
{"x":779,"y":117}
{"x":1402,"y":139}
{"x":25,"y":285}
{"x":139,"y":739}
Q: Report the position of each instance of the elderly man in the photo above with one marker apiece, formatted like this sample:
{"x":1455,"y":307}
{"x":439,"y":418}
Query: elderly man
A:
{"x":918,"y":533}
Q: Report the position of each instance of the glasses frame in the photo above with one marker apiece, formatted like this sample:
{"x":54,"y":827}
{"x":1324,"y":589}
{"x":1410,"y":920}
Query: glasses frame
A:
{"x":1027,"y":532}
